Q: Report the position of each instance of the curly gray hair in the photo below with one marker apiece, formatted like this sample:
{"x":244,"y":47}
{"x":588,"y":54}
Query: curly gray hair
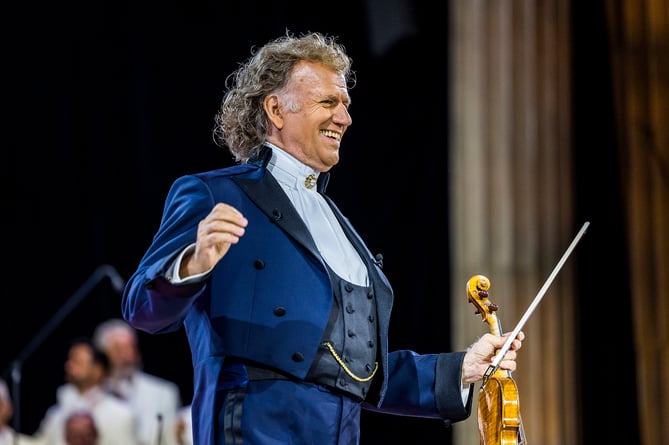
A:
{"x":241,"y":123}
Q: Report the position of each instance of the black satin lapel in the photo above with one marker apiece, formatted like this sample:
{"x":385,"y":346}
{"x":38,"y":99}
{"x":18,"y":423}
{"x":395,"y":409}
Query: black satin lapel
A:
{"x":267,"y":194}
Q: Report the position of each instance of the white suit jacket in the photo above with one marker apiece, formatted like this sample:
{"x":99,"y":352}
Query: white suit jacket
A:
{"x":115,"y":419}
{"x":156,"y":402}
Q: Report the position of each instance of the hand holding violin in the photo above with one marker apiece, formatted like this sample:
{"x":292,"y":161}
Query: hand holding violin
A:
{"x":479,"y":356}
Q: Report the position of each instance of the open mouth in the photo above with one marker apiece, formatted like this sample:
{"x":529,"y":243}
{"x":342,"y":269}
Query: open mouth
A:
{"x":331,"y":134}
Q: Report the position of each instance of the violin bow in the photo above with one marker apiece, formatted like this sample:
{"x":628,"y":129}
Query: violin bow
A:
{"x":500,"y":354}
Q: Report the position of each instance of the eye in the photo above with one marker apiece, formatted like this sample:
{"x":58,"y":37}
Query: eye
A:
{"x":333,"y":103}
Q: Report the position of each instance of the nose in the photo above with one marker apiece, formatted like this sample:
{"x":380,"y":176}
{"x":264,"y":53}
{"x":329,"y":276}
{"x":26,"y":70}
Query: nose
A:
{"x":342,"y":116}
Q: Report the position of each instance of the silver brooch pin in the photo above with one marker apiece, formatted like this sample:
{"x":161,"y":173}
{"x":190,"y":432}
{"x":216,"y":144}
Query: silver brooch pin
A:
{"x":310,"y":181}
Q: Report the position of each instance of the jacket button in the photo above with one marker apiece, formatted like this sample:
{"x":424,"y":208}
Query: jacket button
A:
{"x":370,"y":295}
{"x":259,"y":264}
{"x":279,"y":311}
{"x":348,"y":287}
{"x":298,"y":357}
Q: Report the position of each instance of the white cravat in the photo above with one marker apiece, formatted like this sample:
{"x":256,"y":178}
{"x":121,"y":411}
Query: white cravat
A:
{"x":330,"y":239}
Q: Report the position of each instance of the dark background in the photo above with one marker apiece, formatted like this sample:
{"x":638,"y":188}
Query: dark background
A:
{"x":108,"y":102}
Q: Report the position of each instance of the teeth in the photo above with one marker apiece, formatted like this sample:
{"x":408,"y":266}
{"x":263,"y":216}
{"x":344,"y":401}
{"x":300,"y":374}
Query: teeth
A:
{"x":331,"y":134}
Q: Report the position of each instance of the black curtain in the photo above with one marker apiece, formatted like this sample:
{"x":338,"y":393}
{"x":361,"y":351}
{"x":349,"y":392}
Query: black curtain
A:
{"x":111,"y":101}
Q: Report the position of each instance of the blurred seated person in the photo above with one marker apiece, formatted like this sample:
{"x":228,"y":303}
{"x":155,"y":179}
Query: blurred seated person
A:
{"x":8,"y":436}
{"x":155,"y":400}
{"x":85,"y":370}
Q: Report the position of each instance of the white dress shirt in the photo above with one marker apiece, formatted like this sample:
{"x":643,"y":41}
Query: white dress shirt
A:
{"x":332,"y":243}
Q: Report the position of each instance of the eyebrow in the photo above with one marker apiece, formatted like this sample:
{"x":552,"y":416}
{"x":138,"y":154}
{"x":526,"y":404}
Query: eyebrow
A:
{"x":336,"y":97}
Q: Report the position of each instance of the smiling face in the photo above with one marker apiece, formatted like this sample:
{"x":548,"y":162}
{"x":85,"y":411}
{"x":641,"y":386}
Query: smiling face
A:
{"x":310,"y":115}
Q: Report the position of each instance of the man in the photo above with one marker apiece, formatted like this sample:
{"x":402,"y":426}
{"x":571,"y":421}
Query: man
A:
{"x":155,"y":400}
{"x":85,"y":370}
{"x":285,"y":308}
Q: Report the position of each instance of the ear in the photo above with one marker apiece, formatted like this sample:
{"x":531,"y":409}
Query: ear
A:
{"x":273,"y":110}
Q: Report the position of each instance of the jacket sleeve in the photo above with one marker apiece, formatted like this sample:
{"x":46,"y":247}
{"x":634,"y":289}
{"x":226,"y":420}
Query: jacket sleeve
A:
{"x":150,"y":302}
{"x":426,"y":385}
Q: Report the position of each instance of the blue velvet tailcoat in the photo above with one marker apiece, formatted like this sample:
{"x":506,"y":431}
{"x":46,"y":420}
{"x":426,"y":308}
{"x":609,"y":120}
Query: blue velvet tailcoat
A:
{"x":269,"y":299}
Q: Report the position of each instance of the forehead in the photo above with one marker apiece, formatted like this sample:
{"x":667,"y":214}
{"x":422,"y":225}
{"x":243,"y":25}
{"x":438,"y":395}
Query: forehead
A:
{"x":318,"y":77}
{"x":120,"y":335}
{"x":81,"y":351}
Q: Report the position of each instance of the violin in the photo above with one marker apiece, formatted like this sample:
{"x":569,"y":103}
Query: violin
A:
{"x":499,"y":420}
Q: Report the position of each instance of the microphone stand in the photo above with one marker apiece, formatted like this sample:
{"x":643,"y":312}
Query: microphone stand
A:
{"x":101,"y":272}
{"x":159,"y":433}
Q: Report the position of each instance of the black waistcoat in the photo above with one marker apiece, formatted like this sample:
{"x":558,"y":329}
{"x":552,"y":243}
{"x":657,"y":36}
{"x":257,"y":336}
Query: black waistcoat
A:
{"x":346,"y":359}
